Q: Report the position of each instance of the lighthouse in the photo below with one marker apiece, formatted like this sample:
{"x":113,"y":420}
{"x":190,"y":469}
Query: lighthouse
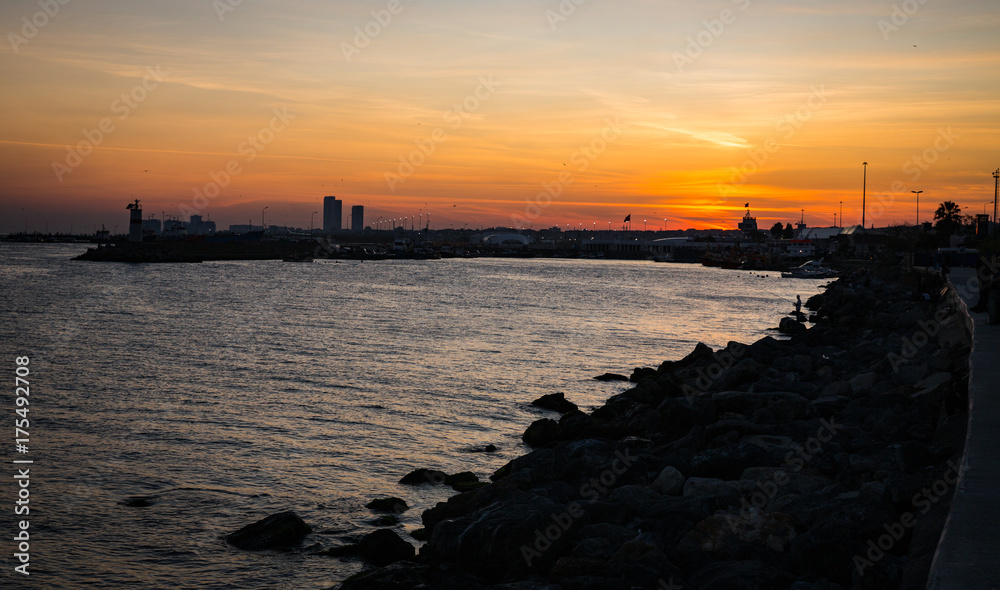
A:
{"x":134,"y":222}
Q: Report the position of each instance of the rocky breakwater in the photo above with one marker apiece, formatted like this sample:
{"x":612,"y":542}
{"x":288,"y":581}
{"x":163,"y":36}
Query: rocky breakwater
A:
{"x":824,"y":461}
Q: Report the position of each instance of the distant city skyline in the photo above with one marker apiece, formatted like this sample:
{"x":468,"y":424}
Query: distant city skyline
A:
{"x":480,"y":114}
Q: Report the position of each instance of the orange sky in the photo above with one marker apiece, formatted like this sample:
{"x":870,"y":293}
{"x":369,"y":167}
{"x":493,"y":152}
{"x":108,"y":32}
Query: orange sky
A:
{"x":489,"y":113}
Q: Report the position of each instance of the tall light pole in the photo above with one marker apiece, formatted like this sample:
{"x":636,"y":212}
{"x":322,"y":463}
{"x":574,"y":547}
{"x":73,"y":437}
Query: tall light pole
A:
{"x":262,"y":220}
{"x":311,"y":217}
{"x":996,"y":184}
{"x":918,"y":205}
{"x":864,"y":184}
{"x":841,"y":213}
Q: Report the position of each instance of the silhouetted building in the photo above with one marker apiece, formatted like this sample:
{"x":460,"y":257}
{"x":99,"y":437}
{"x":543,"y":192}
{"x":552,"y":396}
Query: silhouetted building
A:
{"x":332,"y":214}
{"x":199,"y":227}
{"x":749,"y":224}
{"x":174,"y":227}
{"x":358,"y":217}
{"x":151,"y":226}
{"x":982,"y":225}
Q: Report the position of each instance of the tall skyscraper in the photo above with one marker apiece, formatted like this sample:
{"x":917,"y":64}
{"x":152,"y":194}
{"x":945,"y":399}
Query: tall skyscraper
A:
{"x":358,"y":217}
{"x":332,"y":214}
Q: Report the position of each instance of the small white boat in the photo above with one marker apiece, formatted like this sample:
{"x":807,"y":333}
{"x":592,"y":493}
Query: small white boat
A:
{"x":810,"y":270}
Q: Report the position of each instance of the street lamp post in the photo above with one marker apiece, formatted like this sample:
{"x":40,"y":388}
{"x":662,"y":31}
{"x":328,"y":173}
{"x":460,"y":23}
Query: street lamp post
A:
{"x":841,"y":212}
{"x":864,"y":184}
{"x":311,"y":218}
{"x":918,"y":205}
{"x":996,"y":185}
{"x":262,"y":221}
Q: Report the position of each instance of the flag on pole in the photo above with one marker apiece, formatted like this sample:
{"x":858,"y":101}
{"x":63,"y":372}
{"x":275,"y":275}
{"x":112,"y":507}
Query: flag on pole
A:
{"x":747,"y":205}
{"x":628,"y":218}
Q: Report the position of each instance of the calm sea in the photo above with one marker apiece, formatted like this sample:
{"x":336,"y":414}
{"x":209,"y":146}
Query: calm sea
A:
{"x":231,"y":391}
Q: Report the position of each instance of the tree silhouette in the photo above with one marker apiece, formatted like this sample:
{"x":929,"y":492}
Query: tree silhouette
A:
{"x":948,"y":216}
{"x":776,"y":230}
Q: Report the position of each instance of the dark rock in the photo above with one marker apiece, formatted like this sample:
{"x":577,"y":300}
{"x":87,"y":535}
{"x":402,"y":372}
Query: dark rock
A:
{"x":420,"y":534}
{"x":815,"y":302}
{"x":912,"y":456}
{"x":391,"y":504}
{"x":464,"y":481}
{"x":574,"y":567}
{"x":423,"y":476}
{"x":639,"y":373}
{"x":384,"y":546}
{"x":139,"y":501}
{"x":277,"y":531}
{"x":745,"y":371}
{"x":791,"y":326}
{"x":401,"y":575}
{"x":642,"y":563}
{"x":556,"y":402}
{"x":486,"y":449}
{"x":489,"y":541}
{"x":799,"y":363}
{"x":740,"y":575}
{"x":387,"y":520}
{"x":680,"y":414}
{"x":670,"y":481}
{"x":784,"y":405}
{"x":701,"y":351}
{"x":752,"y":451}
{"x":542,"y":433}
{"x":611,"y":377}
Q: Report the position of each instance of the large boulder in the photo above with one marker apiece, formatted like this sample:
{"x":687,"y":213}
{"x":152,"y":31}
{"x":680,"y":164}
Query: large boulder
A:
{"x":391,"y":504}
{"x":791,"y":326}
{"x":384,"y":546}
{"x":278,"y":531}
{"x":556,"y":402}
{"x":542,"y":433}
{"x":611,"y":377}
{"x":423,"y":476}
{"x":670,"y":482}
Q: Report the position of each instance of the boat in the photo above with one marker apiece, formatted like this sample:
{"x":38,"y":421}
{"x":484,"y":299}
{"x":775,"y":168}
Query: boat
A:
{"x":813,"y":269}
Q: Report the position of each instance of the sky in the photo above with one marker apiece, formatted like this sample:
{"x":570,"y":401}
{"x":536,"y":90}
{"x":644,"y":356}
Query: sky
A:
{"x":485,"y":113}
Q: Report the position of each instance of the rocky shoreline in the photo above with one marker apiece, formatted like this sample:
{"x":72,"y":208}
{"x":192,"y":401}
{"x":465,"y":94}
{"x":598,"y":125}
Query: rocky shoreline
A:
{"x":825,"y":461}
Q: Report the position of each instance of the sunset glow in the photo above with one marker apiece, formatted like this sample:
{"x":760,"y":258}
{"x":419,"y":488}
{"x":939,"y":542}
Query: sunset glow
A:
{"x":486,"y":114}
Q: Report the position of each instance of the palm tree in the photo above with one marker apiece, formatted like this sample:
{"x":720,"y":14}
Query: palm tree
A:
{"x":948,"y":216}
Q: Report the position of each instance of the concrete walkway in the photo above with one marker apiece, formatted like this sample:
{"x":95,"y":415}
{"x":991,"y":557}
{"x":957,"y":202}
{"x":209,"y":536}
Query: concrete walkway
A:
{"x":968,"y":555}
